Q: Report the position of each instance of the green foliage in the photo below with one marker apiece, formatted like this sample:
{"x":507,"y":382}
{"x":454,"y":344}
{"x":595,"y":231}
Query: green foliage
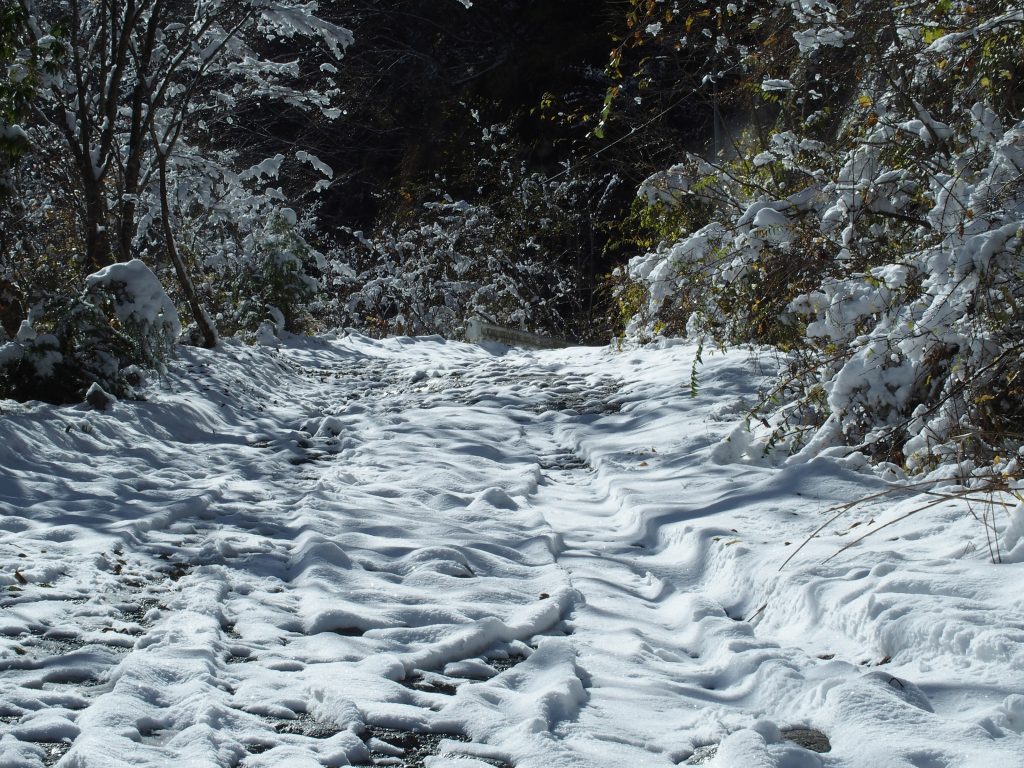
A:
{"x":270,"y":286}
{"x":280,"y":287}
{"x":733,"y":291}
{"x":25,"y":62}
{"x":16,"y":87}
{"x":631,"y":299}
{"x":649,"y":224}
{"x":698,"y":359}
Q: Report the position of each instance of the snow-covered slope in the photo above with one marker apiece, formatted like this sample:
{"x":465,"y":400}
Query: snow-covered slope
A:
{"x":348,"y":551}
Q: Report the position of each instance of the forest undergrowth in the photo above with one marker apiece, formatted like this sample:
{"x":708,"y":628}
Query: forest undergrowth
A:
{"x":840,"y":183}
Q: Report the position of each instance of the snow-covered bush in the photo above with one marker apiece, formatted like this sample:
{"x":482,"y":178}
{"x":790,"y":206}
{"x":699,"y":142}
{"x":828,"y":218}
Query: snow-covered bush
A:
{"x":278,"y":292}
{"x":252,"y":256}
{"x":880,"y":245}
{"x":133,"y":112}
{"x":432,"y":274}
{"x":500,"y":254}
{"x":133,"y":300}
{"x":122,"y":322}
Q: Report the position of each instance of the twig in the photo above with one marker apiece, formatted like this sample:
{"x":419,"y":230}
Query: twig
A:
{"x":847,"y":506}
{"x":855,"y":542}
{"x":756,"y":613}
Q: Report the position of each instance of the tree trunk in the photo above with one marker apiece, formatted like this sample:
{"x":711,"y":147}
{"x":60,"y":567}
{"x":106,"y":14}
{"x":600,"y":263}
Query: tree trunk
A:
{"x":141,"y":111}
{"x":97,"y":241}
{"x":199,"y":314}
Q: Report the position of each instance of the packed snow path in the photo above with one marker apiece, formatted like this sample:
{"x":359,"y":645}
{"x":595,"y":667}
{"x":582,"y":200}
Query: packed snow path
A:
{"x":413,"y":552}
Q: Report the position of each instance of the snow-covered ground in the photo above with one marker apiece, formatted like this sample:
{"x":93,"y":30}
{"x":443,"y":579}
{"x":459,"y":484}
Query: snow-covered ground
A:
{"x":412,"y":552}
